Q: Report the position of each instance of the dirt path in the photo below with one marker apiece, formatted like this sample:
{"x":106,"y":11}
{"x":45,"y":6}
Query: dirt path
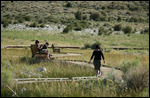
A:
{"x":106,"y":70}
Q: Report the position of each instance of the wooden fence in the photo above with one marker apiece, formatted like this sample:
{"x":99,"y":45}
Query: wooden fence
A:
{"x":116,"y":48}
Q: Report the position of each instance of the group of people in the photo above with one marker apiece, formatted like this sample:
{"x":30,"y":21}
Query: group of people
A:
{"x":43,"y":48}
{"x":97,"y":54}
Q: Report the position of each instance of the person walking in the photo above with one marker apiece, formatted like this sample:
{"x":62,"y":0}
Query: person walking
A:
{"x":97,"y":54}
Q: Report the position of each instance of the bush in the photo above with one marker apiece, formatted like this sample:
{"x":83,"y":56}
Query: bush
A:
{"x":101,"y":30}
{"x":6,"y":78}
{"x":145,"y":31}
{"x":5,"y":21}
{"x":27,"y":18}
{"x":58,"y":27}
{"x":84,"y":17}
{"x":95,"y":16}
{"x":103,"y":18}
{"x":5,"y":24}
{"x":127,"y":30}
{"x":133,"y":19}
{"x":21,"y":20}
{"x":78,"y":28}
{"x":119,"y":19}
{"x":69,"y":4}
{"x":137,"y":78}
{"x":68,"y":28}
{"x":41,"y":21}
{"x":78,"y":15}
{"x":34,"y":25}
{"x":15,"y":22}
{"x":42,"y":25}
{"x":118,"y":27}
{"x":126,"y":65}
{"x":87,"y":45}
{"x":92,"y":46}
{"x":52,"y":19}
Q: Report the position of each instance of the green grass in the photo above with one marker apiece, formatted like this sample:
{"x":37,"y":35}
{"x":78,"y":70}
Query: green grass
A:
{"x":27,"y":37}
{"x":91,"y":88}
{"x":22,"y":66}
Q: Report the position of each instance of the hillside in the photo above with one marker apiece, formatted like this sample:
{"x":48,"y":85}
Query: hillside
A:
{"x":107,"y":13}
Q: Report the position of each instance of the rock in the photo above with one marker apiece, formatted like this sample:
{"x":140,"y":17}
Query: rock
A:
{"x":10,"y":66}
{"x":41,"y":69}
{"x":23,"y":90}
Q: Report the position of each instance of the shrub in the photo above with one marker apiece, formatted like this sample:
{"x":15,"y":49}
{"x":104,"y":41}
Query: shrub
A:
{"x":101,"y":30}
{"x":27,"y":18}
{"x":95,"y":16}
{"x":6,"y":78}
{"x":118,"y":27}
{"x":15,"y":22}
{"x":127,"y":30}
{"x":84,"y":17}
{"x":145,"y":31}
{"x":5,"y":24}
{"x":68,"y":28}
{"x":84,"y":24}
{"x":103,"y":13}
{"x":58,"y":27}
{"x":52,"y":19}
{"x":69,"y":4}
{"x":33,"y":25}
{"x":8,"y":16}
{"x":5,"y":21}
{"x":93,"y":46}
{"x":41,"y":21}
{"x":103,"y":7}
{"x":119,"y":19}
{"x":126,"y":65}
{"x":137,"y":78}
{"x":42,"y":25}
{"x":133,"y":19}
{"x":79,"y":28}
{"x":87,"y":45}
{"x":78,"y":15}
{"x":21,"y":20}
{"x":103,"y":18}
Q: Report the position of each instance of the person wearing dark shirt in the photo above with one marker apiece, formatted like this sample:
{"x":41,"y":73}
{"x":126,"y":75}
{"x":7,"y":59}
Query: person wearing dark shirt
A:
{"x":37,"y":45}
{"x":97,"y":54}
{"x":44,"y":49}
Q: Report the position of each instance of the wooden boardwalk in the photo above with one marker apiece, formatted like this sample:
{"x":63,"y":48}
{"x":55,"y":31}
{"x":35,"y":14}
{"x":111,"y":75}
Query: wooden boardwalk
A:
{"x":76,"y":47}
